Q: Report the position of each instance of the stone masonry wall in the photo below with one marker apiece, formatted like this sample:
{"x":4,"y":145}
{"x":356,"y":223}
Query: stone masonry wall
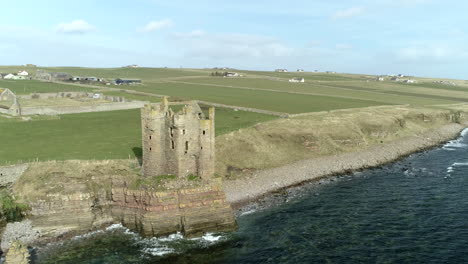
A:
{"x":58,"y":110}
{"x":179,"y":143}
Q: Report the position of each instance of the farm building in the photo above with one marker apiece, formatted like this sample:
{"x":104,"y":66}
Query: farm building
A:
{"x":231,"y":74}
{"x":19,"y":77}
{"x":380,"y":78}
{"x":127,"y":81}
{"x":8,"y":76}
{"x":23,"y":73}
{"x":300,"y":70}
{"x":281,"y":70}
{"x":297,"y":80}
{"x":410,"y":81}
{"x":52,"y":76}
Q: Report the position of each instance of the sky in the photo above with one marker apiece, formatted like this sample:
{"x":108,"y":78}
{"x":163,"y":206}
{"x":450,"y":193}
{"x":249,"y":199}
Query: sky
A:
{"x":413,"y":37}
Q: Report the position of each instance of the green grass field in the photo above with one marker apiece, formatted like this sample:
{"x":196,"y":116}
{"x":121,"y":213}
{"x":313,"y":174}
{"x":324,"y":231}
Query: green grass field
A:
{"x":31,"y":86}
{"x":102,"y":135}
{"x":117,"y":134}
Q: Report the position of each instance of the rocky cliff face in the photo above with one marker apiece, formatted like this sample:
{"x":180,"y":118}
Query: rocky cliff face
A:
{"x":69,"y":197}
{"x":189,"y":210}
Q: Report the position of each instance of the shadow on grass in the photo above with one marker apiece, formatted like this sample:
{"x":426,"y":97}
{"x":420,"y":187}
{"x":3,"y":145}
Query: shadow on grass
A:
{"x":138,"y":151}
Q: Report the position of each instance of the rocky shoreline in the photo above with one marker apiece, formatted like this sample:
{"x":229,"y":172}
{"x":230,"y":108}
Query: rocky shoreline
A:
{"x":241,"y":192}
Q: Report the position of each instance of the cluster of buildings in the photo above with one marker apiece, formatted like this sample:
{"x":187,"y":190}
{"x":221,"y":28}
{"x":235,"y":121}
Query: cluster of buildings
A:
{"x":21,"y":75}
{"x":225,"y":74}
{"x":395,"y":78}
{"x":286,"y":70}
{"x":66,"y":77}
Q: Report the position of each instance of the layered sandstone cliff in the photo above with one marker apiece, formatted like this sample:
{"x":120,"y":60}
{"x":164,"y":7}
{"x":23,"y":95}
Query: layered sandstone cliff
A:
{"x":71,"y":197}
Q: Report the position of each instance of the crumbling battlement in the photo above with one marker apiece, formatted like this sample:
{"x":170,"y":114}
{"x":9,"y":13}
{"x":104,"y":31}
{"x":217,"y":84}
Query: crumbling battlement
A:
{"x":181,"y":143}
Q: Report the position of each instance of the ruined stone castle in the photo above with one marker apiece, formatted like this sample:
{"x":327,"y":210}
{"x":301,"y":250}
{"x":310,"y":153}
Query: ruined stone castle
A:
{"x":178,"y":143}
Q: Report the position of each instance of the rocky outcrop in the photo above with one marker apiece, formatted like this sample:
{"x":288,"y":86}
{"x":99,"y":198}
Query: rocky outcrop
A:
{"x":18,"y":254}
{"x":191,"y":211}
{"x":77,"y":212}
{"x":21,"y":232}
{"x":10,"y":174}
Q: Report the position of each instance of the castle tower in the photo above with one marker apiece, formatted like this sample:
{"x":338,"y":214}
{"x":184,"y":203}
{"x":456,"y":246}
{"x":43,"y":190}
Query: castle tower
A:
{"x":179,"y":143}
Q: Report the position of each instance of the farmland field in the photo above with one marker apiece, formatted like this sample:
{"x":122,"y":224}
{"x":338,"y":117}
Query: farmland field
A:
{"x":31,"y":86}
{"x":102,"y":135}
{"x":117,"y":134}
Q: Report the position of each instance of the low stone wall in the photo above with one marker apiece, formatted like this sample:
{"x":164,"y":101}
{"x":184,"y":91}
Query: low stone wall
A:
{"x":59,"y":110}
{"x":73,"y":95}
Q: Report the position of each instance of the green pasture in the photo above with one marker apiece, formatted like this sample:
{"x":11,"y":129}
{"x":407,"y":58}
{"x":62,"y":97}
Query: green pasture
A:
{"x":267,"y":100}
{"x":32,"y":86}
{"x":101,"y":135}
{"x":352,"y":90}
{"x":113,"y":73}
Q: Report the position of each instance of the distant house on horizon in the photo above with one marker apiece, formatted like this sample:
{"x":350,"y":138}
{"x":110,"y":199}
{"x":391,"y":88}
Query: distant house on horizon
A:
{"x":300,"y":70}
{"x":380,"y":78}
{"x":281,"y":70}
{"x":231,"y":74}
{"x":297,"y":80}
{"x":23,"y":73}
{"x":410,"y":81}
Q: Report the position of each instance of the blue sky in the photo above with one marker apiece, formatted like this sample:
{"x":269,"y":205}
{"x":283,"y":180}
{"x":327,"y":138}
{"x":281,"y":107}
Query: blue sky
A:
{"x":418,"y":37}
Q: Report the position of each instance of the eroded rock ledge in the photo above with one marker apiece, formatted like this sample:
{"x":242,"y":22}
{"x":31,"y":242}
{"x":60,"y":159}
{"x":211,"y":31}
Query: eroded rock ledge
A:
{"x":73,"y":197}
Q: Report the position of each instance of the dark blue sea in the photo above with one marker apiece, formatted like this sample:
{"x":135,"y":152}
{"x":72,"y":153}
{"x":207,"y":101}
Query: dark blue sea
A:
{"x":411,"y":211}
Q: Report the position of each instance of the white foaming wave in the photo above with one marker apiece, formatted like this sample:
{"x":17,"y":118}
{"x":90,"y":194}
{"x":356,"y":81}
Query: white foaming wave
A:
{"x":248,"y":212}
{"x":457,"y":143}
{"x":464,"y":132}
{"x":87,"y":235}
{"x":452,"y":167}
{"x":210,"y":237}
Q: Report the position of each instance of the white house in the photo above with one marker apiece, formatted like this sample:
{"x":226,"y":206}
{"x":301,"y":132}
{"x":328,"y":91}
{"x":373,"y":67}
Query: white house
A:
{"x":281,"y":70}
{"x":297,"y":80}
{"x":300,"y":70}
{"x":23,"y":73}
{"x":410,"y":81}
{"x":9,"y":76}
{"x":380,"y":78}
{"x":18,"y":77}
{"x":231,"y":74}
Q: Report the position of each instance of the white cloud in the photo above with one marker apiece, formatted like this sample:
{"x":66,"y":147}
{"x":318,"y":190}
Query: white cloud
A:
{"x":75,"y":27}
{"x":348,"y":13}
{"x":199,"y":44}
{"x":157,"y":25}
